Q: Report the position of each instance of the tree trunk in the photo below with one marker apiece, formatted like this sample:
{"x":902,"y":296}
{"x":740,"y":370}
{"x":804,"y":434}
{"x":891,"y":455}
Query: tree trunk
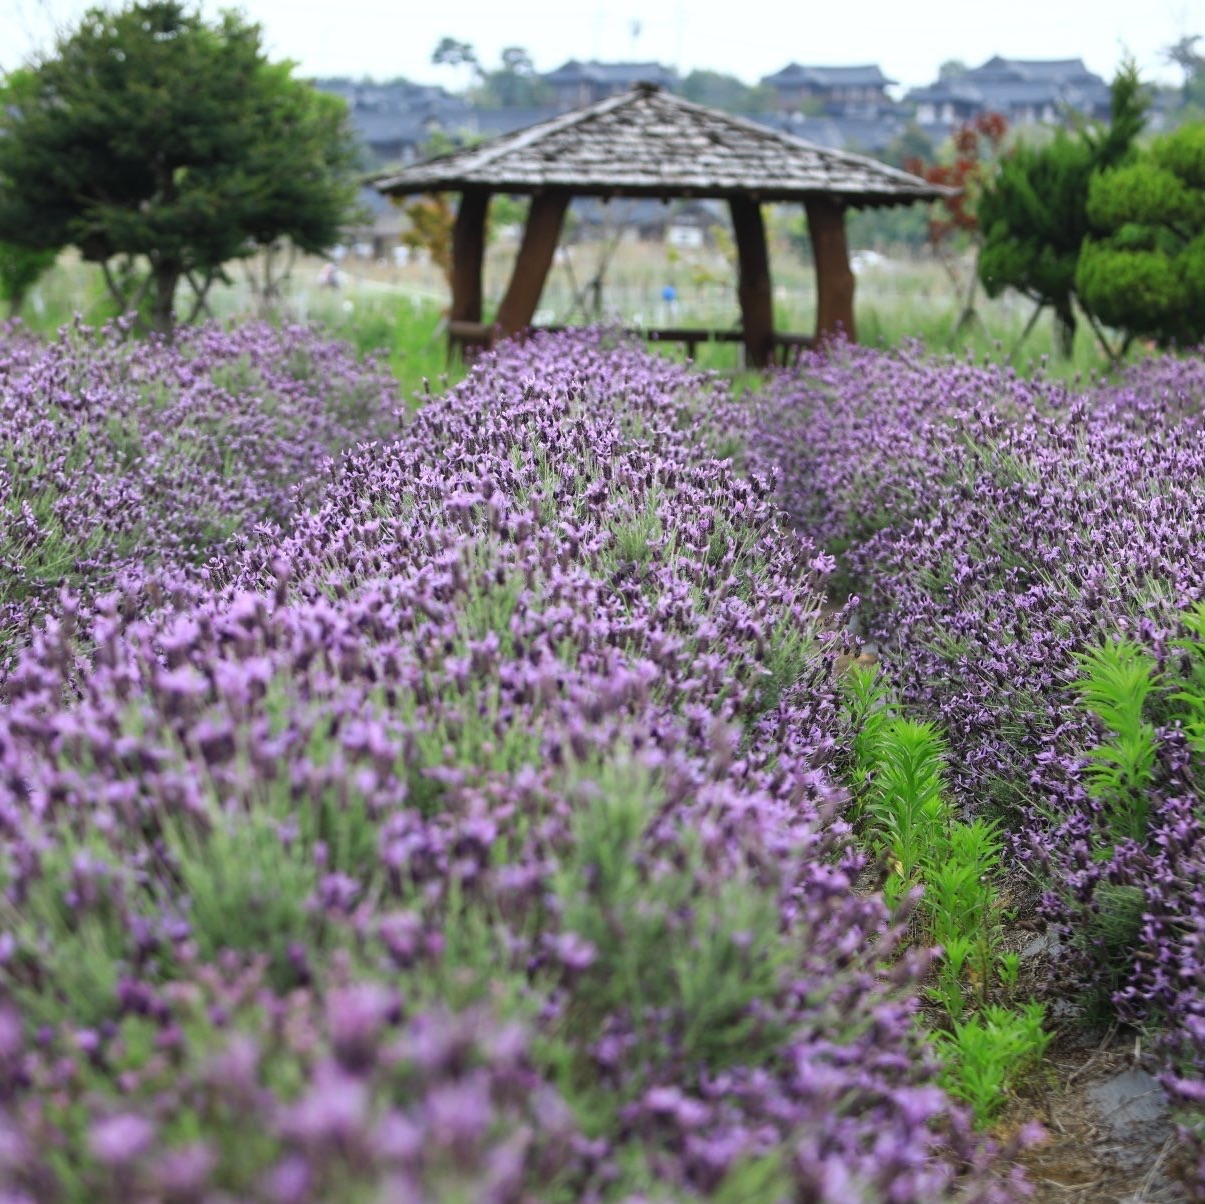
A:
{"x":1064,"y":327}
{"x":163,"y":318}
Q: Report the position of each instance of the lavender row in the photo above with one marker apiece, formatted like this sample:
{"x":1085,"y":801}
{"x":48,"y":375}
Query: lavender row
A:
{"x":116,"y":456}
{"x":477,"y":836}
{"x":998,"y":528}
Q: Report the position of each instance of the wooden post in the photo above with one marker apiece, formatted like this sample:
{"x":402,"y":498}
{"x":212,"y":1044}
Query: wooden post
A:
{"x":753,"y":288}
{"x":834,"y":280}
{"x":535,"y":258}
{"x":468,"y":253}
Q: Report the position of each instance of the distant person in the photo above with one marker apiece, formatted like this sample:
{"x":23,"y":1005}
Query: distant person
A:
{"x":328,"y":276}
{"x":669,"y":298}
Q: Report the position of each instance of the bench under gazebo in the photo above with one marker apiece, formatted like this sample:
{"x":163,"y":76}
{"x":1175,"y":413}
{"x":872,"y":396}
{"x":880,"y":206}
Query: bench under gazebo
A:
{"x":650,"y":143}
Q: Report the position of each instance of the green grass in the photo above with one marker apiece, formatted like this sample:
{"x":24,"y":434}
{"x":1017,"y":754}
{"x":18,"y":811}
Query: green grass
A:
{"x":402,"y":318}
{"x":408,"y":332}
{"x":405,"y":328}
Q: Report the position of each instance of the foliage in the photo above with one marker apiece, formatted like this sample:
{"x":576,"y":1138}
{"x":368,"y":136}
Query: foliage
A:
{"x":407,"y":333}
{"x":452,"y":53}
{"x":432,"y":221}
{"x":910,"y":146}
{"x":1185,"y":55}
{"x":1117,"y":679}
{"x":20,"y":266}
{"x":721,"y":91}
{"x":905,"y":814}
{"x":1034,"y":213}
{"x":976,"y":146}
{"x":986,"y":1052}
{"x":1144,"y":271}
{"x":1035,"y":223}
{"x":514,"y":83}
{"x":20,"y":269}
{"x":150,"y":136}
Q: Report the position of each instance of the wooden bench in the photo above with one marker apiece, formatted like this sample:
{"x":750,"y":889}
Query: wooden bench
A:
{"x":786,"y":346}
{"x":471,"y":337}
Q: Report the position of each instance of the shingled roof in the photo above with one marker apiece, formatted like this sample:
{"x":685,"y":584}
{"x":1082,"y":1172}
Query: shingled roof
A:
{"x":647,"y":142}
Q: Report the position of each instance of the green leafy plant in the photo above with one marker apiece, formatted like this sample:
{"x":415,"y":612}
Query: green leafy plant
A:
{"x":989,"y":1050}
{"x":904,"y":814}
{"x":1118,"y":678}
{"x":1143,"y":271}
{"x":1034,"y":214}
{"x":233,"y":158}
{"x":1122,"y":686}
{"x":247,"y":888}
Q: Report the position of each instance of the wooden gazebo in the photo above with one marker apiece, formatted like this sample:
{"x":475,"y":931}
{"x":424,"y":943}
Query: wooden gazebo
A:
{"x":648,"y":142}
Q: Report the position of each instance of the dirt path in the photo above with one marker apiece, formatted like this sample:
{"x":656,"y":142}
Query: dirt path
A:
{"x":1110,"y":1138}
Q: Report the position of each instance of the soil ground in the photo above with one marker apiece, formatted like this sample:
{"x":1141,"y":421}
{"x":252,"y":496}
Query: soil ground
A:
{"x":1110,"y":1134}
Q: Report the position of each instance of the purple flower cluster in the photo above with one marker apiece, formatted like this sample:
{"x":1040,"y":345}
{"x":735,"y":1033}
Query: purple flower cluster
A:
{"x":118,"y":457}
{"x":998,"y":527}
{"x":478,"y":836}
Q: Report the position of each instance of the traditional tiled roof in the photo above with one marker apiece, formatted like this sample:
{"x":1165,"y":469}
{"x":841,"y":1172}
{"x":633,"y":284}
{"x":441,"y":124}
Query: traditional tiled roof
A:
{"x":1053,"y":70}
{"x":1007,"y":84}
{"x":647,"y":142}
{"x":594,"y":72}
{"x":796,"y":75}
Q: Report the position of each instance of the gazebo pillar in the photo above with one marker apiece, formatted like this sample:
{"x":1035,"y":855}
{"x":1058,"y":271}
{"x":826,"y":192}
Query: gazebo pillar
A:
{"x":468,"y":254}
{"x":834,"y":280}
{"x":753,"y":288}
{"x":540,"y":235}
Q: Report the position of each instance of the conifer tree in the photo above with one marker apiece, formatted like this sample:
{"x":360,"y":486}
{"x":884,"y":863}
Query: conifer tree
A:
{"x":1144,"y":271}
{"x":162,"y":147}
{"x":1034,"y":216}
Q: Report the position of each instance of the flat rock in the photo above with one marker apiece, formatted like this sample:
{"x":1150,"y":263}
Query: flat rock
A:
{"x":1130,"y":1097}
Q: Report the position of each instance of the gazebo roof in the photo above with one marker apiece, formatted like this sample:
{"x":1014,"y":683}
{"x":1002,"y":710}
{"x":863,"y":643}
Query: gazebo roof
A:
{"x":648,"y":142}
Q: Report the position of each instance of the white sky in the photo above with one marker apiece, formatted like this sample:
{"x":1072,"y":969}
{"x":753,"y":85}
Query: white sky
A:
{"x":746,"y":38}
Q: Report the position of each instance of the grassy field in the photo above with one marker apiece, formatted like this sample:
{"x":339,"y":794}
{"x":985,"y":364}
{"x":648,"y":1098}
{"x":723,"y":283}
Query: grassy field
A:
{"x":396,"y":310}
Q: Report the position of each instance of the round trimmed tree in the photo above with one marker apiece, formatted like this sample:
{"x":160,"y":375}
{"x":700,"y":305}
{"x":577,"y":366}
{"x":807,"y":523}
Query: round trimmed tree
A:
{"x":1144,"y":271}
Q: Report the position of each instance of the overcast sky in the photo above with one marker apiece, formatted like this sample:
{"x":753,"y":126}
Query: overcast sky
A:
{"x":747,"y":38}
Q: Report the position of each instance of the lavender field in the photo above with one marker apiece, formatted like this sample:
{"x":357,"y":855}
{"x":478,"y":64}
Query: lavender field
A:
{"x":489,"y":802}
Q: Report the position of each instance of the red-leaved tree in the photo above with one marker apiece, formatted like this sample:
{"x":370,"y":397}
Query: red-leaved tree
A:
{"x":977,"y":144}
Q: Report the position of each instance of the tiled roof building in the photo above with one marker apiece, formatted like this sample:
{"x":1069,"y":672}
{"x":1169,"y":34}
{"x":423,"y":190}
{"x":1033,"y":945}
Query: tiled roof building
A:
{"x":1026,"y":91}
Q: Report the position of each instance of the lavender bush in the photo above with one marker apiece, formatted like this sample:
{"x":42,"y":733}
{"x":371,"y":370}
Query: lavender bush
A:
{"x":116,"y":457}
{"x":478,"y":836}
{"x":1000,"y":529}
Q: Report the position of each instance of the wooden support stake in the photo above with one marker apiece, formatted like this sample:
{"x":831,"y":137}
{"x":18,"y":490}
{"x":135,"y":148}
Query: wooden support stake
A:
{"x":834,"y":280}
{"x":535,"y":258}
{"x":753,"y":289}
{"x":468,"y":254}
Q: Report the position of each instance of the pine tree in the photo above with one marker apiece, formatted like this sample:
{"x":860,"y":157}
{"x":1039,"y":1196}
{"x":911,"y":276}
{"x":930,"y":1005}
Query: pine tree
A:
{"x":163,"y":147}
